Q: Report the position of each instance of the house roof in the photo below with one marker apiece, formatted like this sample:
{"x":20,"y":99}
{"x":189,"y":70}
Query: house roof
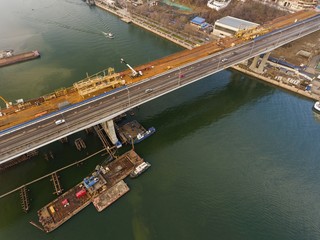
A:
{"x":198,"y":20}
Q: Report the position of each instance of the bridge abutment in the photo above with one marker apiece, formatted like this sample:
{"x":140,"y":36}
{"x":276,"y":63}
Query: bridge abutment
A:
{"x":108,"y":127}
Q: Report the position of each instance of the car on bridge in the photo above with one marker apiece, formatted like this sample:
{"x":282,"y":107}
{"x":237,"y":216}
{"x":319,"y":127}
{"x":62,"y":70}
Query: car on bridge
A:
{"x":224,"y":60}
{"x":60,"y":121}
{"x":148,"y":90}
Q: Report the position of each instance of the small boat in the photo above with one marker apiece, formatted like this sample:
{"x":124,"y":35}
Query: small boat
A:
{"x":316,"y":107}
{"x":144,"y":135}
{"x":140,"y":169}
{"x":109,"y":35}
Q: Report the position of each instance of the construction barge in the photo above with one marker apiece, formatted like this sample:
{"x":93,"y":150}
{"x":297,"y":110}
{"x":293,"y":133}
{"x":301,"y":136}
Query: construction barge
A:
{"x":102,"y":187}
{"x":133,"y":132}
{"x":7,"y":57}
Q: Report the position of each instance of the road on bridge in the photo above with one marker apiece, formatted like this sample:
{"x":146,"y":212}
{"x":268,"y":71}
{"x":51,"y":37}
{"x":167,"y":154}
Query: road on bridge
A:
{"x":39,"y":132}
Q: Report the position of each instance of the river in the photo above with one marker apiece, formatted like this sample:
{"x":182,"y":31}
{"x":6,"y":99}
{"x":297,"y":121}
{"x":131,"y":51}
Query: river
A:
{"x":232,"y":158}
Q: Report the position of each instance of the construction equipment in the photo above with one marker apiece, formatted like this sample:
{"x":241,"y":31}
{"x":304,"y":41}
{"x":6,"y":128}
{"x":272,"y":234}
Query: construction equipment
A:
{"x":134,"y":72}
{"x":251,"y":33}
{"x":8,"y":104}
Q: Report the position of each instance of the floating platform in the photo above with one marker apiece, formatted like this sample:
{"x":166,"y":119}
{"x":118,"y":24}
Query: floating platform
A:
{"x":134,"y":132}
{"x":56,"y":213}
{"x":12,"y":59}
{"x":102,"y":187}
{"x":106,"y":198}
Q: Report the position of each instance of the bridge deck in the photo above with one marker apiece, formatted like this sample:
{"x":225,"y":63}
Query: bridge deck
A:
{"x":32,"y":109}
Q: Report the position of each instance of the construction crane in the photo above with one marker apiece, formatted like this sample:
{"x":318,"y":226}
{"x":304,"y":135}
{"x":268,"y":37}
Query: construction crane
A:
{"x":251,"y":33}
{"x":8,"y":104}
{"x":134,"y":72}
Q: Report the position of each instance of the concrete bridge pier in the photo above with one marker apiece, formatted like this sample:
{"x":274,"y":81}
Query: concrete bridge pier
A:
{"x":254,"y":63}
{"x":259,"y":68}
{"x":108,"y":127}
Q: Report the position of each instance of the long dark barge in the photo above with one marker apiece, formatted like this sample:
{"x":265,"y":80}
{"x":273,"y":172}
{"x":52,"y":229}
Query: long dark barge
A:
{"x":7,"y":57}
{"x":102,"y":187}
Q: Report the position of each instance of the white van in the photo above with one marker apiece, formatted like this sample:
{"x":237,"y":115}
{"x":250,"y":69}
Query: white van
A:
{"x":60,"y":121}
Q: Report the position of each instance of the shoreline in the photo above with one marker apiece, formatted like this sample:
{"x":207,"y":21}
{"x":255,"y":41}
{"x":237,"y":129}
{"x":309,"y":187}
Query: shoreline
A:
{"x":139,"y":22}
{"x":278,"y":84}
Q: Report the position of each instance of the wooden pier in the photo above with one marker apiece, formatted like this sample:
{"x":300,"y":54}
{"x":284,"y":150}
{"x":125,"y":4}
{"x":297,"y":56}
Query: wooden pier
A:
{"x":56,"y":183}
{"x":99,"y":130}
{"x":49,"y":174}
{"x":25,"y":203}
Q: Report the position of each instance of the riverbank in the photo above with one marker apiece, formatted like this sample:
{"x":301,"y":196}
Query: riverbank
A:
{"x":148,"y":25}
{"x":280,"y":84}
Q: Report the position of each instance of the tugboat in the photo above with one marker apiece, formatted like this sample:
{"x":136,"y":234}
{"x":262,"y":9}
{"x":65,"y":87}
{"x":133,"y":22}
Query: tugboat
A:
{"x":316,"y":107}
{"x":144,"y":135}
{"x":140,"y":169}
{"x":108,"y":35}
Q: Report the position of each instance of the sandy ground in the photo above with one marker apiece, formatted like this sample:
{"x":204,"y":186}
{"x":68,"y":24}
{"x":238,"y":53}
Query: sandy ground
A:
{"x":310,"y":43}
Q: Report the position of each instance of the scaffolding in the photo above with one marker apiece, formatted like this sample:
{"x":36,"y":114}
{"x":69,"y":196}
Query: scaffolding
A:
{"x":98,"y":81}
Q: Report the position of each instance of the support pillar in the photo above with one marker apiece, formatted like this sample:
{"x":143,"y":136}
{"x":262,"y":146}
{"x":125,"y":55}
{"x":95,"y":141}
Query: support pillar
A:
{"x":254,"y":63}
{"x":263,"y":62}
{"x":108,"y":127}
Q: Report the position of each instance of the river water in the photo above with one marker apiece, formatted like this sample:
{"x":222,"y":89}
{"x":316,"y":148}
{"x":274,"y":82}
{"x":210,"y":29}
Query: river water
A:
{"x":232,"y":158}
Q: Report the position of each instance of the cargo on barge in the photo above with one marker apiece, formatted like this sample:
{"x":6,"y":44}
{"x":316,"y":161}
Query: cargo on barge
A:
{"x":102,"y":187}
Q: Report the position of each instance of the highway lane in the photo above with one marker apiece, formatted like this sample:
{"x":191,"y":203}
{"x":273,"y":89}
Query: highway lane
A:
{"x":45,"y":131}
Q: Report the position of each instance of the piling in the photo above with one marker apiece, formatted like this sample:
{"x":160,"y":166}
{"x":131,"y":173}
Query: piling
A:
{"x":63,"y":140}
{"x":80,"y":144}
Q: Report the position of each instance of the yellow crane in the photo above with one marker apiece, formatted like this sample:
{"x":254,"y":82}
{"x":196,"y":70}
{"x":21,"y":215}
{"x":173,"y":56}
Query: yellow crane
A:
{"x":6,"y":102}
{"x":251,"y":33}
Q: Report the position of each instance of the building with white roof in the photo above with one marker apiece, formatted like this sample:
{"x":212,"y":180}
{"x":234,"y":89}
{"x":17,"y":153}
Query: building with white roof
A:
{"x":228,"y":26}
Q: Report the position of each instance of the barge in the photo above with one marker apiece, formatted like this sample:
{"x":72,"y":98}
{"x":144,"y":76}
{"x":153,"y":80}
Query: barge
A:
{"x":7,"y":57}
{"x":102,"y":187}
{"x":133,"y":132}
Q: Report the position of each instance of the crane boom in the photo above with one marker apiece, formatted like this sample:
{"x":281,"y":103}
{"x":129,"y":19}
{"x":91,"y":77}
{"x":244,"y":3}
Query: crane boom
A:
{"x":6,"y":102}
{"x":134,"y":72}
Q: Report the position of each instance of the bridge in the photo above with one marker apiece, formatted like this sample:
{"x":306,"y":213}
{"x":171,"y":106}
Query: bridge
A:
{"x":36,"y":133}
